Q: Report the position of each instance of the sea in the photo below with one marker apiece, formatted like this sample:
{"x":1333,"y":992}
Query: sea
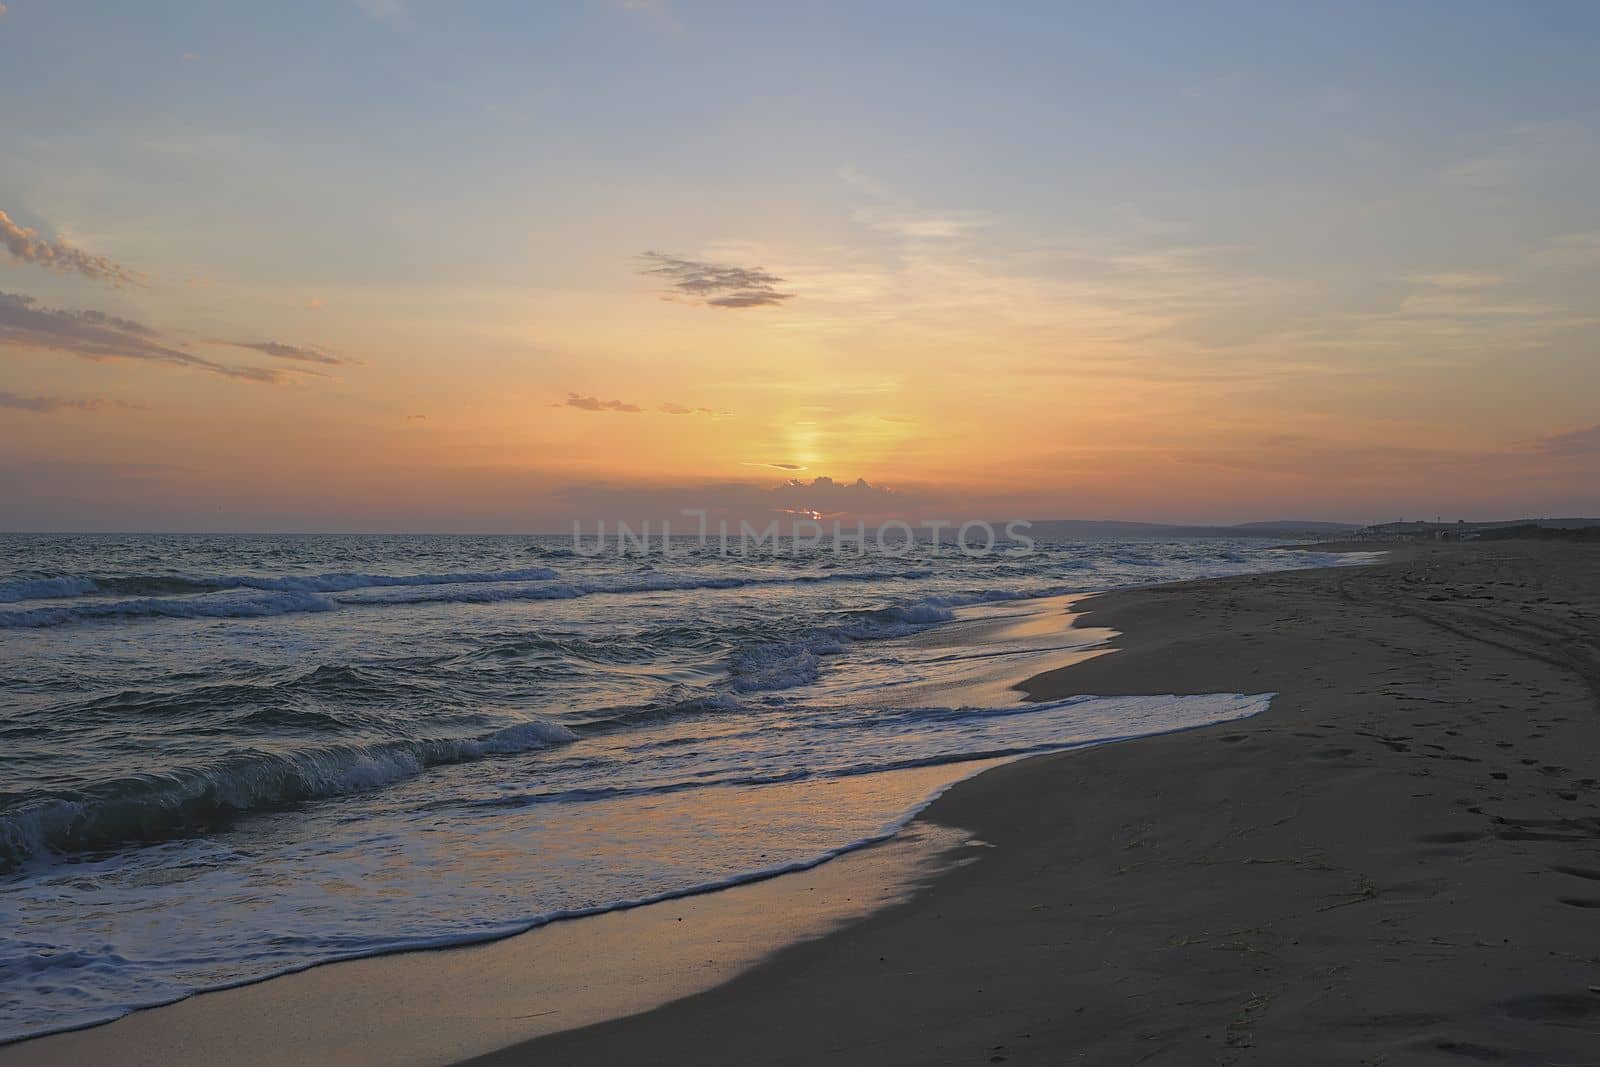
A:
{"x":224,"y":758}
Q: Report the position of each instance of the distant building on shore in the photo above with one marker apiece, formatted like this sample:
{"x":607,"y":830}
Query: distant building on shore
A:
{"x":1462,"y":530}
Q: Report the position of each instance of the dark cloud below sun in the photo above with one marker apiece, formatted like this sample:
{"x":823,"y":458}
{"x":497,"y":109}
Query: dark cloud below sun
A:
{"x":594,"y":403}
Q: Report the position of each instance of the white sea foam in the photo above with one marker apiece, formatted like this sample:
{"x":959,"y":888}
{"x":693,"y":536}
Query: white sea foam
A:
{"x":457,"y":898}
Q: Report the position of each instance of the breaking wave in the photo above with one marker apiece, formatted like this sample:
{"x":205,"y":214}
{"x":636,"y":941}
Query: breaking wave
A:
{"x":289,"y":595}
{"x":232,"y":607}
{"x":157,"y":806}
{"x":172,"y":584}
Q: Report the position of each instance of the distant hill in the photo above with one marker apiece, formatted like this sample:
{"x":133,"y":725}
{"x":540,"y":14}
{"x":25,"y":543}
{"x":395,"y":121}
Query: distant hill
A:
{"x":1099,"y":529}
{"x":1278,"y":528}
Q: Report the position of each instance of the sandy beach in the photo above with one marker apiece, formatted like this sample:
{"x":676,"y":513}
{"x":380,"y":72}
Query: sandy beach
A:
{"x":1398,"y":863}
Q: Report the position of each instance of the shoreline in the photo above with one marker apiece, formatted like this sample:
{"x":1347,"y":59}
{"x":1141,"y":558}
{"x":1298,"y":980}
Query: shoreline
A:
{"x":1190,"y":634}
{"x":875,"y":872}
{"x":1398,"y":862}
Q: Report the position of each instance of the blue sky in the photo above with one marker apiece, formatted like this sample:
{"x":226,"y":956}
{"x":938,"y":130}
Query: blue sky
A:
{"x":1356,"y":226}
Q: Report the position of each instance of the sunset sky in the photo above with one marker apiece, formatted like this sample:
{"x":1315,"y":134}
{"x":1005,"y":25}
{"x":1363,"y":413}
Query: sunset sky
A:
{"x":435,"y":265}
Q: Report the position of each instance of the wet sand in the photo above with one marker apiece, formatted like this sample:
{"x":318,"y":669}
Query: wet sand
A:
{"x":1398,"y":863}
{"x":421,"y":1009}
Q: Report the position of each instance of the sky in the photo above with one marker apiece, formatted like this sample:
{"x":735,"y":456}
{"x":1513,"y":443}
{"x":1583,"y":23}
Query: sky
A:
{"x":446,"y":265}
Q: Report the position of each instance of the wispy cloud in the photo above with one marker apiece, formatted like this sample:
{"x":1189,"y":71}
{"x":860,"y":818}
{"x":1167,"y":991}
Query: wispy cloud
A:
{"x":46,"y":405}
{"x":923,"y":227}
{"x":98,"y":336}
{"x":26,"y":245}
{"x":778,"y":466}
{"x":297,"y":353}
{"x":1584,"y":442}
{"x":592,"y":403}
{"x":680,"y":409}
{"x":889,"y":213}
{"x":719,"y":285}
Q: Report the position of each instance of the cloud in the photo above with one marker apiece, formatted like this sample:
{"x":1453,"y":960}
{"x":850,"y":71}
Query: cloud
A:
{"x":591,"y":403}
{"x":680,"y":409}
{"x":45,"y":405}
{"x":297,"y":353}
{"x":26,"y":245}
{"x":893,"y":214}
{"x":909,"y":225}
{"x":1584,"y":442}
{"x":98,"y":336}
{"x":778,"y":466}
{"x":717,"y":284}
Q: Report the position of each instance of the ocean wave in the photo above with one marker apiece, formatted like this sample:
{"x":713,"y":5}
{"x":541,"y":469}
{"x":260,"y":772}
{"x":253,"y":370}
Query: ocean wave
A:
{"x":236,"y":607}
{"x":159,"y":806}
{"x":972,"y":730}
{"x":44,"y":589}
{"x":899,"y":620}
{"x":610,"y":720}
{"x":145,"y":585}
{"x":647,"y":581}
{"x":780,"y":665}
{"x":315,"y":593}
{"x":48,"y":961}
{"x":788,"y":664}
